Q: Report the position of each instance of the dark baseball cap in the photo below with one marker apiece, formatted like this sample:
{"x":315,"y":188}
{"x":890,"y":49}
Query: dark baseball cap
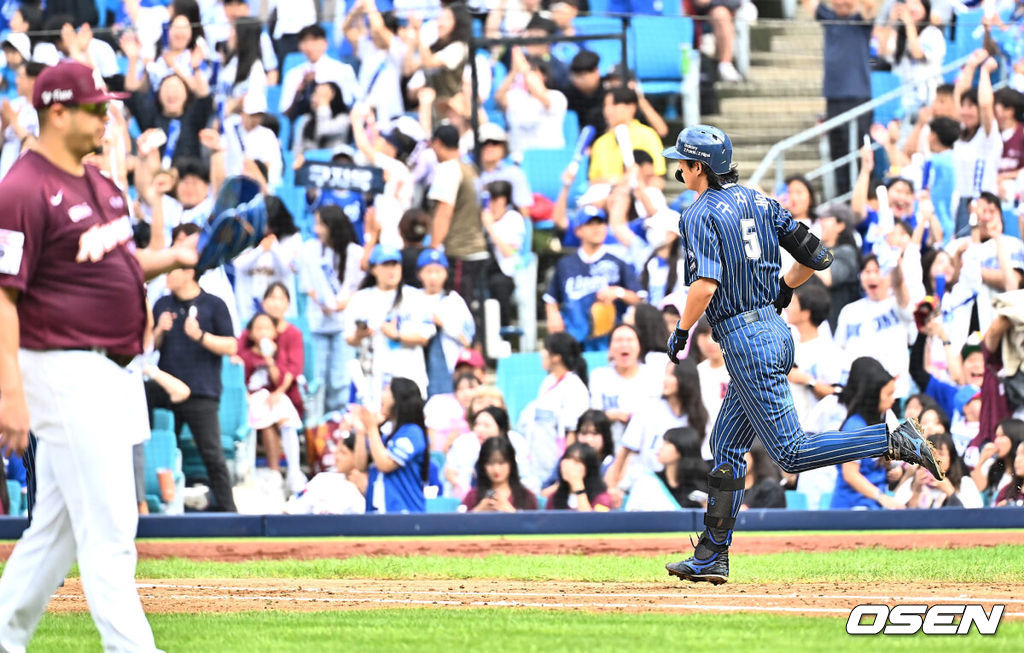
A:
{"x":447,"y":135}
{"x":69,"y":83}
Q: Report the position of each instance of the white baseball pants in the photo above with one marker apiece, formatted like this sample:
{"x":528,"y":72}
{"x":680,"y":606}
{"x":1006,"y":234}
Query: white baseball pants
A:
{"x":87,"y":412}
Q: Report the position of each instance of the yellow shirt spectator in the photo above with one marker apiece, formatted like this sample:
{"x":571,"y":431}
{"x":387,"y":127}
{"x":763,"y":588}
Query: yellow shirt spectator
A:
{"x":606,"y":158}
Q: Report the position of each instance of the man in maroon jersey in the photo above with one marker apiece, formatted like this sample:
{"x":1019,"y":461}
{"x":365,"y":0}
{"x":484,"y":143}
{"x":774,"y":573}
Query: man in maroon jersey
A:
{"x":73,"y":313}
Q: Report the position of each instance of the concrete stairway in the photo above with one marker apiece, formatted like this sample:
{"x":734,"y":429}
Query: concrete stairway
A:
{"x":781,"y":97}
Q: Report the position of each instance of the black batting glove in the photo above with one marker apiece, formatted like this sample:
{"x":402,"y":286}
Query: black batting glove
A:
{"x":677,"y":343}
{"x":784,"y":298}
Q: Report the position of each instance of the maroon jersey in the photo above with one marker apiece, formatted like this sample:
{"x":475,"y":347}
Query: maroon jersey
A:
{"x":66,"y":245}
{"x":1013,"y":150}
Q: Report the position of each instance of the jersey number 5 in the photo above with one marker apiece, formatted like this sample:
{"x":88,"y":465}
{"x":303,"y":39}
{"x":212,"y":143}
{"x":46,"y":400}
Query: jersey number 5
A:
{"x":751,"y":245}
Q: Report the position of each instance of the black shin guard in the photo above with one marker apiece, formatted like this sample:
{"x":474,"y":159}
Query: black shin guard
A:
{"x":718,"y":520}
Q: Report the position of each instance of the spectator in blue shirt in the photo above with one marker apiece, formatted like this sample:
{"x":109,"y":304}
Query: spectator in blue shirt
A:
{"x":868,"y":394}
{"x":396,"y":451}
{"x":591,"y":288}
{"x":940,"y":180}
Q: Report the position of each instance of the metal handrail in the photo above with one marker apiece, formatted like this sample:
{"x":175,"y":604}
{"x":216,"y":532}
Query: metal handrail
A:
{"x":846,"y":117}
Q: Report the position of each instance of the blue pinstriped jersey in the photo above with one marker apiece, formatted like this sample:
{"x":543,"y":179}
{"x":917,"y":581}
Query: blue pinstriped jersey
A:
{"x":732,"y":236}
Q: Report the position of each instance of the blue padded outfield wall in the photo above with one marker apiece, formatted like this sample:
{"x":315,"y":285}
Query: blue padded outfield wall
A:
{"x":551,"y":523}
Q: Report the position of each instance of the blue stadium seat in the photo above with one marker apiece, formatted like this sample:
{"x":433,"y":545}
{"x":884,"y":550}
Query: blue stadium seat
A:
{"x":826,"y":501}
{"x":162,"y":453}
{"x":883,"y":82}
{"x":544,"y":169}
{"x":609,"y":50}
{"x":443,"y":504}
{"x":163,"y":420}
{"x":18,"y":506}
{"x":597,"y":7}
{"x":321,"y":156}
{"x":519,"y":377}
{"x":796,"y":500}
{"x":274,"y":99}
{"x":653,"y":44}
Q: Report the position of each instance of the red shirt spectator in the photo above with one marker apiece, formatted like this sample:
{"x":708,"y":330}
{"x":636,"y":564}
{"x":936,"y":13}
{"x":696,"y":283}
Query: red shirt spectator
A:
{"x":289,"y":359}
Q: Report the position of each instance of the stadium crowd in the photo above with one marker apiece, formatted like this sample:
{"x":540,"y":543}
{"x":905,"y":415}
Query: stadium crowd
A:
{"x":358,"y":322}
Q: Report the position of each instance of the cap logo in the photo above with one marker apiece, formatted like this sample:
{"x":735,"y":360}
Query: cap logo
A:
{"x":57,"y":95}
{"x":695,"y":151}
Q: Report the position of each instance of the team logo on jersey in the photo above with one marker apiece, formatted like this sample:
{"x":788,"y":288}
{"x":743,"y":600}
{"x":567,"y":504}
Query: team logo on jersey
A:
{"x":97,"y":241}
{"x":79,"y":212}
{"x":691,"y":261}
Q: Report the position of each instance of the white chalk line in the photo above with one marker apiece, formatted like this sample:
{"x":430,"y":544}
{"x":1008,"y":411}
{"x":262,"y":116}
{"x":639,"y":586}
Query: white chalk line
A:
{"x":676,"y":595}
{"x":510,"y":604}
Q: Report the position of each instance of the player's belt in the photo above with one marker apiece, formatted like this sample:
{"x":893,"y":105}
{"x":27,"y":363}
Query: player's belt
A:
{"x":728,"y":325}
{"x":121,"y":360}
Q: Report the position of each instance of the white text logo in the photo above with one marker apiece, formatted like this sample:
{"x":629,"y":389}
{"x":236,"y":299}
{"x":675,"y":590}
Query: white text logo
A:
{"x":870,"y":619}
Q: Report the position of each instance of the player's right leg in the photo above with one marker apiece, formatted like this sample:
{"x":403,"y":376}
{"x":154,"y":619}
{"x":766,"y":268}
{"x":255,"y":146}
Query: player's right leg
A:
{"x":731,"y":437}
{"x":42,"y":557}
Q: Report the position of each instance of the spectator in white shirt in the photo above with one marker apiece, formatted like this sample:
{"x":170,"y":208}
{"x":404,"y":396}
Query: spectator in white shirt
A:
{"x":622,"y":388}
{"x":289,"y":20}
{"x":817,"y":361}
{"x":534,"y":112}
{"x":976,"y":155}
{"x":20,"y":123}
{"x":915,"y":49}
{"x":248,"y":139}
{"x":393,"y":320}
{"x":680,"y":404}
{"x":243,"y":70}
{"x":876,"y":326}
{"x":506,"y":228}
{"x":986,"y":262}
{"x":233,"y":11}
{"x":275,"y":260}
{"x":380,"y":53}
{"x":300,"y":82}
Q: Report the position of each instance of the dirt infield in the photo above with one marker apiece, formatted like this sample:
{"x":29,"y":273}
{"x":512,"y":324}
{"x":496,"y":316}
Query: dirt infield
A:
{"x":557,"y":545}
{"x":829,"y":600}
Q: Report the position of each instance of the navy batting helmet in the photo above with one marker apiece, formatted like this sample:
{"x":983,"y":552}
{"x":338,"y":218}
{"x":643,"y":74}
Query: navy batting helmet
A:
{"x":706,"y":144}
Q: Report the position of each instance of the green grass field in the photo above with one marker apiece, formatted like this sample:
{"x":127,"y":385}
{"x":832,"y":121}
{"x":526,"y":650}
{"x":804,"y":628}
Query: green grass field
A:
{"x":512,"y":630}
{"x":521,"y":629}
{"x":1003,"y":564}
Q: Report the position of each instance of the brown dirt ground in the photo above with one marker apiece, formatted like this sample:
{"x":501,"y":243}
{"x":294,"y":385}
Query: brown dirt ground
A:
{"x":269,"y":549}
{"x":817,"y":599}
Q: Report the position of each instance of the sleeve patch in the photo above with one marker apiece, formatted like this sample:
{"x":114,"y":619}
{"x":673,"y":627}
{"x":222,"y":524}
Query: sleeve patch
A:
{"x":12,"y":249}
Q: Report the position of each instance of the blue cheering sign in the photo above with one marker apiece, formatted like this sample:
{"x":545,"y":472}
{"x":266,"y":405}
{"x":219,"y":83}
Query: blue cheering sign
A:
{"x":338,"y":176}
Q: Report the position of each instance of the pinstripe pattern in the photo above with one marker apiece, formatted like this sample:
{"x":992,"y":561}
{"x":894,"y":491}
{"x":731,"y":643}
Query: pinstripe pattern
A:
{"x":732,"y":236}
{"x":29,"y":460}
{"x":743,"y":259}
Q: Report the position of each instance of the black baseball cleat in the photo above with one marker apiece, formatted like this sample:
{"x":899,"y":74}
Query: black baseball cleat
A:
{"x":714,"y":570}
{"x":709,"y":562}
{"x":907,"y":443}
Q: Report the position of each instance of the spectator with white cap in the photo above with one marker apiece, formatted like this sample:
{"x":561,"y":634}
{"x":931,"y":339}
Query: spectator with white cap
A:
{"x":494,"y":164}
{"x":17,"y":50}
{"x":245,"y":137}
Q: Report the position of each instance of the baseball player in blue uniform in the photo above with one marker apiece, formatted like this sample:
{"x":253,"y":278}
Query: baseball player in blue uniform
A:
{"x":731,"y":236}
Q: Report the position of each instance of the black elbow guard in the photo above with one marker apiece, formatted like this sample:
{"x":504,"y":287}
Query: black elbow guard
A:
{"x":806,"y":248}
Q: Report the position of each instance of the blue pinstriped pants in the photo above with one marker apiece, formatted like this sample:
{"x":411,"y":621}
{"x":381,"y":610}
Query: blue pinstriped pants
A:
{"x":758,"y":351}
